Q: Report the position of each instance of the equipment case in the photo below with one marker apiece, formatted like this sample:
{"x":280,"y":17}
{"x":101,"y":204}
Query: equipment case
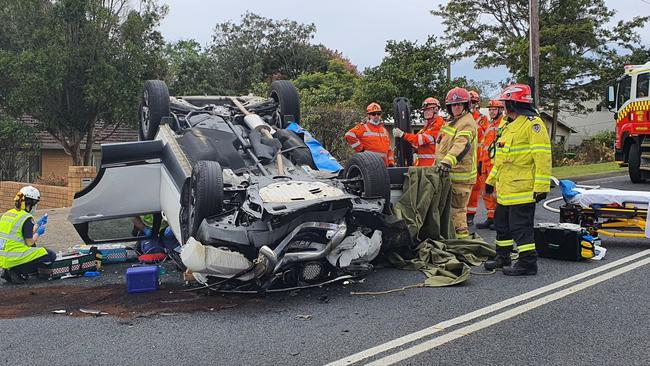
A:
{"x":74,"y":264}
{"x":559,"y":241}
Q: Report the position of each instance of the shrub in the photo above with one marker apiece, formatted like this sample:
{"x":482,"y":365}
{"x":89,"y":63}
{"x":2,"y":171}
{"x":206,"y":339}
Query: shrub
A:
{"x":52,"y":180}
{"x":328,"y":124}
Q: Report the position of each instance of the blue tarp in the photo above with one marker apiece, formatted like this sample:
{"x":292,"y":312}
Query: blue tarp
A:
{"x":322,"y":158}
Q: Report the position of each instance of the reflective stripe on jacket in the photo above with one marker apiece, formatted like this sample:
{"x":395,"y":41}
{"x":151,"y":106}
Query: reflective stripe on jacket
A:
{"x":14,"y":251}
{"x":522,"y":165}
{"x":456,"y":146}
{"x":424,"y":142}
{"x":373,"y":138}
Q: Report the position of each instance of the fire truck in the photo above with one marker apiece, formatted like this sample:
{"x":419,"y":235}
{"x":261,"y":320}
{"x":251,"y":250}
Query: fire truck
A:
{"x":630,"y":100}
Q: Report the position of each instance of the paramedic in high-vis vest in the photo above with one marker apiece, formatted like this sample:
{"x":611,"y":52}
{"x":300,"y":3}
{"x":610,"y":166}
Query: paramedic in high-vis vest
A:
{"x":19,"y":255}
{"x":456,"y":155}
{"x":521,"y":177}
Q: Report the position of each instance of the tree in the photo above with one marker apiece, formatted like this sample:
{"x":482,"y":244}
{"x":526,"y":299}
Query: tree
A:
{"x":191,"y":70}
{"x":576,"y":44}
{"x":409,"y":70}
{"x":335,"y":85}
{"x":72,"y":63}
{"x":261,"y":49}
{"x":18,"y":147}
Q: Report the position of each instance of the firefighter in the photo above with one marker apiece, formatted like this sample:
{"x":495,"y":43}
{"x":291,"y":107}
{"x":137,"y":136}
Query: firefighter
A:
{"x":482,"y":125}
{"x":371,"y":135}
{"x":424,"y":141}
{"x":456,"y":155}
{"x":485,"y":154}
{"x":521,"y":176}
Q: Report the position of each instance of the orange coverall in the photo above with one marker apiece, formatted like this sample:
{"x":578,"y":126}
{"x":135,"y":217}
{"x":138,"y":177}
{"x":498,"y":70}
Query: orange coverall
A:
{"x":485,"y":163}
{"x":424,"y":141}
{"x":373,"y":138}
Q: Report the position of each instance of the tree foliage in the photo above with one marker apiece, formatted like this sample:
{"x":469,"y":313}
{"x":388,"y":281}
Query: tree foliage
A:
{"x":335,"y":85}
{"x":577,"y":47}
{"x":409,"y":70}
{"x":191,"y":70}
{"x":18,"y":147}
{"x":72,"y":63}
{"x":261,"y":49}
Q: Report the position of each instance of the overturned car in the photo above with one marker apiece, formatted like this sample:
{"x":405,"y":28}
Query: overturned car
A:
{"x":241,"y":192}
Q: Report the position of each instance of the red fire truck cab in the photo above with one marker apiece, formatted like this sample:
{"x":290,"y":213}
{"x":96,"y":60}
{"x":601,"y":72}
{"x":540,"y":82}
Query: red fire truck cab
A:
{"x":630,"y":100}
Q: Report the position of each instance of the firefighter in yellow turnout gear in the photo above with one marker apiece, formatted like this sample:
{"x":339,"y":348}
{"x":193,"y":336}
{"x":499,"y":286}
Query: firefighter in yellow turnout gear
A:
{"x":521,"y":176}
{"x":456,"y":155}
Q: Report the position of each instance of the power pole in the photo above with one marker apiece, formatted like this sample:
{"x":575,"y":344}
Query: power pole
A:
{"x":533,"y":66}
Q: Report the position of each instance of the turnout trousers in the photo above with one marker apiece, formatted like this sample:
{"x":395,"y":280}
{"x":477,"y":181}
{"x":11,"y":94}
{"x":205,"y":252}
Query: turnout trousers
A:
{"x":515,"y":224}
{"x":459,"y":197}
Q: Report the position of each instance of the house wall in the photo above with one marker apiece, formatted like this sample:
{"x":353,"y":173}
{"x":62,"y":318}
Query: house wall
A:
{"x":55,"y":162}
{"x":51,"y":196}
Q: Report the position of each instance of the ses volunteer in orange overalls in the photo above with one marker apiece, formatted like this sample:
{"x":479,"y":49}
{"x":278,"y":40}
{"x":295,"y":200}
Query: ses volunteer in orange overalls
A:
{"x":424,"y":141}
{"x":485,"y":162}
{"x":482,"y":125}
{"x":371,"y":135}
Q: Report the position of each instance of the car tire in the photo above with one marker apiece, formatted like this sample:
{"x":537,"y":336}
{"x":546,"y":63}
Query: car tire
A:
{"x":206,"y":193}
{"x":153,"y":107}
{"x":634,"y":167}
{"x":402,"y":118}
{"x":286,"y":95}
{"x":374,"y":175}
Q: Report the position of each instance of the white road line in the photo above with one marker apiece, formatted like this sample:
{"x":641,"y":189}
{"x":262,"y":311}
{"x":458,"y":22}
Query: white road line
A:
{"x":435,"y":342}
{"x":398,"y":342}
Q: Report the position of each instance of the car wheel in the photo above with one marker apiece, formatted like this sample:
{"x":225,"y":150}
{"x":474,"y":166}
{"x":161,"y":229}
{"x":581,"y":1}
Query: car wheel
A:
{"x":370,"y":167}
{"x":402,"y":118}
{"x":206,"y":193}
{"x":634,"y":166}
{"x":153,"y":107}
{"x":286,"y":95}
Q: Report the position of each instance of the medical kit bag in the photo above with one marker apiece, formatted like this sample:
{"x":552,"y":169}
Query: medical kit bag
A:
{"x":564,"y":241}
{"x":111,"y":253}
{"x":69,"y":264}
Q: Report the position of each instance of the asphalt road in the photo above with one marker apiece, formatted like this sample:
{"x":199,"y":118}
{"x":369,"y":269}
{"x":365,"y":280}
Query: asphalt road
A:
{"x":600,"y":319}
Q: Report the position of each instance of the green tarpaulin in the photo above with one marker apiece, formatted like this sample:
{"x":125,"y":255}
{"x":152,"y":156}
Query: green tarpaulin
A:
{"x":425,"y":206}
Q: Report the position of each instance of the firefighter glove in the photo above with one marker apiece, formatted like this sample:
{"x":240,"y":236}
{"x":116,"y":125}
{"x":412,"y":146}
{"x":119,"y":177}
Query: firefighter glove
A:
{"x":443,"y":169}
{"x":489,"y":189}
{"x":397,"y":132}
{"x":540,"y":196}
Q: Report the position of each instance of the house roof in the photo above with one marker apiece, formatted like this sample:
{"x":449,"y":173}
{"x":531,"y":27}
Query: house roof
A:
{"x":103,"y":135}
{"x":546,"y":115}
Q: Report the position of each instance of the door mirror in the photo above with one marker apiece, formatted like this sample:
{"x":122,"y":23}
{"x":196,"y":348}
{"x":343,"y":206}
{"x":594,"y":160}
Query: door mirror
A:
{"x":611,"y":98}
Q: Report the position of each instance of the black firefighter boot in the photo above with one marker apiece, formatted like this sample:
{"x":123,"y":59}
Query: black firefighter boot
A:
{"x":501,"y":260}
{"x":525,"y":266}
{"x":487,"y":224}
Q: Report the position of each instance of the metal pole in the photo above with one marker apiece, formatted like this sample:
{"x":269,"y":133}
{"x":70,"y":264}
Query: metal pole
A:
{"x":533,"y":67}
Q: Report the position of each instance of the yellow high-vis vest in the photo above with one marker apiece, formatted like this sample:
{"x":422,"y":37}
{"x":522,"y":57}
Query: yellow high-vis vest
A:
{"x":13,"y":249}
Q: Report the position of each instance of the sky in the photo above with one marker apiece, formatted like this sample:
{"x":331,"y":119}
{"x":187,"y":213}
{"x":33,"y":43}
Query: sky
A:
{"x":357,"y":28}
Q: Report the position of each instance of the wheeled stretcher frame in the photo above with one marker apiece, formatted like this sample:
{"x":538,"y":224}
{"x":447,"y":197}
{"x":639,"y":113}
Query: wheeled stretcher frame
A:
{"x":626,"y":221}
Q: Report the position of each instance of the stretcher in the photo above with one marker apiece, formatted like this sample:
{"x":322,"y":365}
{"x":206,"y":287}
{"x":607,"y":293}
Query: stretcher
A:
{"x":603,"y":211}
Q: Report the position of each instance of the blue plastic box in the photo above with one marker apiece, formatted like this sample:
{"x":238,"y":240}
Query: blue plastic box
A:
{"x":141,"y":279}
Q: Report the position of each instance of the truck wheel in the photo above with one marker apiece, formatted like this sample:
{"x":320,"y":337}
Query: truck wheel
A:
{"x":634,"y":167}
{"x":153,"y":107}
{"x":206,"y":193}
{"x":370,"y":167}
{"x":286,"y":95}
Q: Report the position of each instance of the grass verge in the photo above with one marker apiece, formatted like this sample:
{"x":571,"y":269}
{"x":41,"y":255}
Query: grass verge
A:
{"x":561,"y":172}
